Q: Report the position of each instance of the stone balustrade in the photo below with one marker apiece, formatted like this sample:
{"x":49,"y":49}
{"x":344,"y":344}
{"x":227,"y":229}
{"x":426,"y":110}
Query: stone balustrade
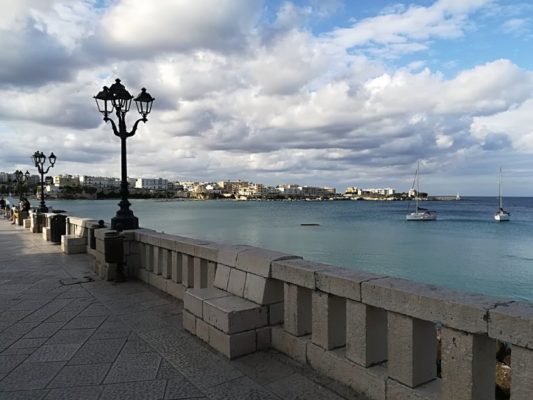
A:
{"x":384,"y":337}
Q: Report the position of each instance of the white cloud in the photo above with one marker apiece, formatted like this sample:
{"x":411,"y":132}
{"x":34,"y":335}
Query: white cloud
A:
{"x":407,"y":28}
{"x":180,"y":25}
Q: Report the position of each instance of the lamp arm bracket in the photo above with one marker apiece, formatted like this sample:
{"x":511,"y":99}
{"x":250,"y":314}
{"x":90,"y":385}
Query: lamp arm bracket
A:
{"x":113,"y":125}
{"x":134,"y":129}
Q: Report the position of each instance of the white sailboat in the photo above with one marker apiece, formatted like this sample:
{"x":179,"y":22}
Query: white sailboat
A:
{"x":501,"y":215}
{"x":420,"y":214}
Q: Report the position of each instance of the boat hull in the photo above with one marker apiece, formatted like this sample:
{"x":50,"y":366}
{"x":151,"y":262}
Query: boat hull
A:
{"x":502,"y":217}
{"x":421,"y":216}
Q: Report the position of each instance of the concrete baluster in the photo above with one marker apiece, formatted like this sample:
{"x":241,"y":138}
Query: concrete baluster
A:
{"x":412,"y":350}
{"x":366,"y":333}
{"x":200,"y":273}
{"x":468,"y":365}
{"x":328,"y":320}
{"x":158,"y":254}
{"x":187,"y":270}
{"x":176,"y":266}
{"x":166,"y":264}
{"x":148,"y":257}
{"x":522,"y":373}
{"x":297,"y":316}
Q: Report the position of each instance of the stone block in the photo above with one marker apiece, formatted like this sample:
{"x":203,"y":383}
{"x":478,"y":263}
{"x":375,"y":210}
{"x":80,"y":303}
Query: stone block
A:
{"x":342,"y":282}
{"x":264,"y":338}
{"x":200,"y":273}
{"x":176,"y":266}
{"x":187,"y":270}
{"x":293,"y":346}
{"x":176,"y":290}
{"x":187,"y":245}
{"x":158,"y":281}
{"x":26,"y":223}
{"x":46,"y":233}
{"x":522,"y":376}
{"x":428,"y":391}
{"x":202,"y":330}
{"x":167,"y":242}
{"x":298,"y":272}
{"x":275,"y":313}
{"x":263,"y":290}
{"x":208,"y":251}
{"x":328,"y":320}
{"x":458,"y":310}
{"x":366,"y":333}
{"x":73,"y":244}
{"x":232,"y":346}
{"x":297,"y":315}
{"x":189,"y":322}
{"x":232,"y":314}
{"x":143,"y":275}
{"x":412,"y":350}
{"x":258,"y":261}
{"x":227,"y":254}
{"x":370,"y":382}
{"x":222,"y":277}
{"x":512,"y":322}
{"x":237,"y":280}
{"x":194,"y":299}
{"x":468,"y":365}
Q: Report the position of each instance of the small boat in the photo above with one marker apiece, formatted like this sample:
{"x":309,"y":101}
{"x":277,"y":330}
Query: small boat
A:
{"x":501,"y":215}
{"x":420,"y":214}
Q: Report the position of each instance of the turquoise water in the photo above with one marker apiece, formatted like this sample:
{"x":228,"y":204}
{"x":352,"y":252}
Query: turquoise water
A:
{"x":465,"y":249}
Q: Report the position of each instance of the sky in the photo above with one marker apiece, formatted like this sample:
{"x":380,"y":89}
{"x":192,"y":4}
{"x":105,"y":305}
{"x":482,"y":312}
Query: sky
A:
{"x":315,"y":92}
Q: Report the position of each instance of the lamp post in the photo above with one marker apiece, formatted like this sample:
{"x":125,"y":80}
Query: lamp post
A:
{"x":117,"y":98}
{"x":39,"y":159}
{"x":20,"y":178}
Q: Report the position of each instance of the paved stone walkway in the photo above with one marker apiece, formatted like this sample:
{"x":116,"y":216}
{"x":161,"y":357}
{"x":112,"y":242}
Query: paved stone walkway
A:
{"x":62,"y":339}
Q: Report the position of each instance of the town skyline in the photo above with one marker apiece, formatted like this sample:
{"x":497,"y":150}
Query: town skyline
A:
{"x":323,"y":93}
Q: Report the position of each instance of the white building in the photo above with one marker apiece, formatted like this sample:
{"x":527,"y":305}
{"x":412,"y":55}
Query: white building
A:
{"x":66,"y":180}
{"x":152,"y":184}
{"x":99,"y":182}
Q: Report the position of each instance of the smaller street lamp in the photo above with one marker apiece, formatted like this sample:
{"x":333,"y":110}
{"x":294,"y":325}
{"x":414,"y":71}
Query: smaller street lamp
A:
{"x":39,"y":159}
{"x":20,"y":178}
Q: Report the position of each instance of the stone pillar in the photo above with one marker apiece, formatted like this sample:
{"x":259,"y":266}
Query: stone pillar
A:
{"x":211,"y":271}
{"x":148,"y":257}
{"x":329,"y":320}
{"x":187,"y":270}
{"x":297,"y":308}
{"x":522,"y":373}
{"x":176,"y":266}
{"x":468,"y":365}
{"x":157,"y":260}
{"x":412,"y":350}
{"x":166,"y":263}
{"x":366,"y":333}
{"x":200,"y":273}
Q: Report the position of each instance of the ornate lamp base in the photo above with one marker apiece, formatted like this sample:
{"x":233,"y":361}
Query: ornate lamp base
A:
{"x":121,"y":223}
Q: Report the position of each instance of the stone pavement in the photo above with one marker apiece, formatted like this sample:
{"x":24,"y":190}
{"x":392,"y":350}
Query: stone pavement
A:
{"x":65,"y":334}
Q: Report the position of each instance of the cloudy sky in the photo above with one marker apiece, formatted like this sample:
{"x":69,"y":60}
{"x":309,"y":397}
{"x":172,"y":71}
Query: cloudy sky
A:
{"x":316,"y":92}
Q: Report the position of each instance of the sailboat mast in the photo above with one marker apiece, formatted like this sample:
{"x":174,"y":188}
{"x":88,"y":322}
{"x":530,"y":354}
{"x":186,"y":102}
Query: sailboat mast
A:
{"x":417,"y":183}
{"x":500,"y":189}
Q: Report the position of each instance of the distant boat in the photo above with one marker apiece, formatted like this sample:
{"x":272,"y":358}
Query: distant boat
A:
{"x":501,"y":215}
{"x":420,"y":214}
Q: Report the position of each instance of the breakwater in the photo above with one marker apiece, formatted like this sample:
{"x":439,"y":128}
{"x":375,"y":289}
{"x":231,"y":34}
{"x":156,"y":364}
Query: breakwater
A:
{"x":374,"y":333}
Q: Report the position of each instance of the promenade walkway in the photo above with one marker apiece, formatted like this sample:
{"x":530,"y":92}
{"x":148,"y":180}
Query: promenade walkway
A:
{"x":65,"y":334}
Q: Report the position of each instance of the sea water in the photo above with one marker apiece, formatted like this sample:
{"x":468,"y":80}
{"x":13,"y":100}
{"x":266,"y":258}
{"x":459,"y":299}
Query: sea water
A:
{"x":464,"y":249}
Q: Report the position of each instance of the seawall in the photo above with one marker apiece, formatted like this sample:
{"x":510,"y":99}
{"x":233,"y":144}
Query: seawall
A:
{"x":383,"y":337}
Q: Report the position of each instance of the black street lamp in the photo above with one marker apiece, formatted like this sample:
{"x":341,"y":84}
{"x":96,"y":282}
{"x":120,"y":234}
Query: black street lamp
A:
{"x":39,"y":159}
{"x":119,"y":99}
{"x":20,"y":178}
